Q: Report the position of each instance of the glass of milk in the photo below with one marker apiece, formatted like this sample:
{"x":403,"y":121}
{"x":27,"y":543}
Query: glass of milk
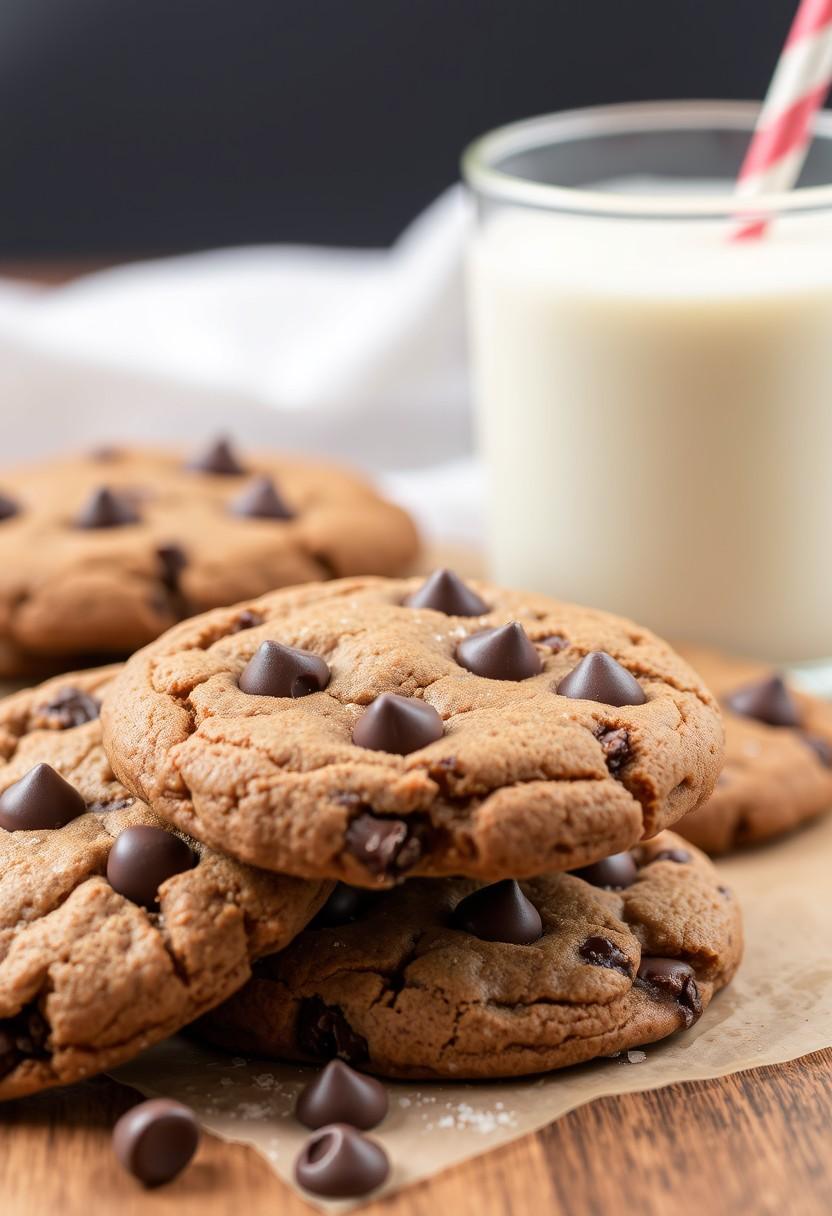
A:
{"x":654,"y":398}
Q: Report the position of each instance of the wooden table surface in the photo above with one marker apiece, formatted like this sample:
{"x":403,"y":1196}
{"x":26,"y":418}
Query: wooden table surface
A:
{"x":758,"y":1143}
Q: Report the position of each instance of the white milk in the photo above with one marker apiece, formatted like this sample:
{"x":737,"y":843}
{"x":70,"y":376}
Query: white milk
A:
{"x":655,"y":407}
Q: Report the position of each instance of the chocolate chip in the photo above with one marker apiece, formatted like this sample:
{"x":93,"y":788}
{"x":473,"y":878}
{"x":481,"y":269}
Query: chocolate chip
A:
{"x":821,"y":747}
{"x":399,"y":725}
{"x":339,"y":1094}
{"x":556,"y":642}
{"x":246,"y":620}
{"x":106,"y":509}
{"x":384,"y":845}
{"x":68,"y":707}
{"x":155,"y":1140}
{"x":725,"y":892}
{"x":504,"y":653}
{"x":323,"y":1032}
{"x":105,"y":454}
{"x":22,"y":1037}
{"x":40,"y":799}
{"x":673,"y":977}
{"x":681,"y":856}
{"x":8,"y":507}
{"x":260,"y":500}
{"x":499,"y":912}
{"x":282,"y":671}
{"x":601,"y":952}
{"x":345,"y":905}
{"x":615,"y":872}
{"x":218,"y":457}
{"x":615,"y":744}
{"x":142,"y":858}
{"x":599,"y":677}
{"x":768,"y":701}
{"x":173,"y":560}
{"x":340,"y":1163}
{"x":105,"y":805}
{"x":445,"y":592}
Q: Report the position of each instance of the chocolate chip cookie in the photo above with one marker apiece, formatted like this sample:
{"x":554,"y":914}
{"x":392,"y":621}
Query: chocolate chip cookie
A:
{"x":778,"y":756}
{"x":101,"y":553}
{"x":446,"y":978}
{"x":370,"y":729}
{"x":114,"y":930}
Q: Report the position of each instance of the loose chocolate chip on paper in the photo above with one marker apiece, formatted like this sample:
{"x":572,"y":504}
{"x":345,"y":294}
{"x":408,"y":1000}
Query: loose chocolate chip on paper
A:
{"x":106,"y":509}
{"x":445,"y":592}
{"x":323,"y":1032}
{"x":67,"y":708}
{"x":768,"y":701}
{"x":41,"y":799}
{"x":504,"y":653}
{"x":260,"y":500}
{"x":676,"y":978}
{"x":601,"y":952}
{"x":499,"y":912}
{"x":142,"y":858}
{"x":155,"y":1140}
{"x":618,"y":871}
{"x":339,"y":1094}
{"x":282,"y":671}
{"x":340,"y":1163}
{"x":219,"y":457}
{"x":600,"y":677}
{"x":399,"y":725}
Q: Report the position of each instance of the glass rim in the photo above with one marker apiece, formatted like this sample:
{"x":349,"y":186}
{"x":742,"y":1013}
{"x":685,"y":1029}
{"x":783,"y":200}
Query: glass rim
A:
{"x":480,"y":158}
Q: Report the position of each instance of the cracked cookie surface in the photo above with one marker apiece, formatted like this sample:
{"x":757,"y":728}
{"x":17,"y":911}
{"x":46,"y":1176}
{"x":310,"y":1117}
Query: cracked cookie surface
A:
{"x":402,"y":991}
{"x":517,"y":779}
{"x":68,"y":590}
{"x":89,"y":978}
{"x":775,"y":777}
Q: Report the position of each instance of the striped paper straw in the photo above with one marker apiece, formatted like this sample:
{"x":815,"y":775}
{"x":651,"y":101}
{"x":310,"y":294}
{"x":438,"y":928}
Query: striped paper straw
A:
{"x":797,"y":91}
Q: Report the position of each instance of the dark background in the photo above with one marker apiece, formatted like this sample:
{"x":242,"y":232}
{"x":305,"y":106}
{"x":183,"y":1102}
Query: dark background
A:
{"x":136,"y":126}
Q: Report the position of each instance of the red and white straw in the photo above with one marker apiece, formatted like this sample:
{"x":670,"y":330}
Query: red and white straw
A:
{"x":797,"y":91}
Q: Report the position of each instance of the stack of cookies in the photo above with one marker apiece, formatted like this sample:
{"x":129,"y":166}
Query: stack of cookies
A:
{"x":416,"y":825}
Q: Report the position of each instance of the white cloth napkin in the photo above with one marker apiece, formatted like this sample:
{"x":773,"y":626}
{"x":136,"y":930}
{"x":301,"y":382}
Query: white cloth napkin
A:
{"x":359,"y":354}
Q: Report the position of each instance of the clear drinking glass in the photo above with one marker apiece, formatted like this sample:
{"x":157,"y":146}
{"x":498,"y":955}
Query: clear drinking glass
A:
{"x":654,"y":398}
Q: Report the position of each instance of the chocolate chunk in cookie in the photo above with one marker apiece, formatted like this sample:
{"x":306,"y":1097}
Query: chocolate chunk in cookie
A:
{"x":39,"y":799}
{"x":218,"y":457}
{"x":504,"y":653}
{"x":445,"y":592}
{"x":283,"y":671}
{"x":106,"y":509}
{"x":260,"y":500}
{"x":600,"y":677}
{"x":399,"y":725}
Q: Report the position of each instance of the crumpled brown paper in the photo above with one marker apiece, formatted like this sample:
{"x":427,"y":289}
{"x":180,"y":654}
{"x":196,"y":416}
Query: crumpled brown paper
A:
{"x":778,"y":1007}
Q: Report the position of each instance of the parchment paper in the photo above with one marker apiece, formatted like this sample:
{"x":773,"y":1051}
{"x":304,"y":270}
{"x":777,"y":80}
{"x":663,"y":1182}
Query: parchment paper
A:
{"x":778,"y":1007}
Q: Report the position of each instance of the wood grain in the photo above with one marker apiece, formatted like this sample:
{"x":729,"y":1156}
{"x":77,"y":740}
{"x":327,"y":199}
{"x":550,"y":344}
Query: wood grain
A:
{"x":756,"y":1143}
